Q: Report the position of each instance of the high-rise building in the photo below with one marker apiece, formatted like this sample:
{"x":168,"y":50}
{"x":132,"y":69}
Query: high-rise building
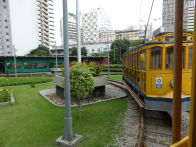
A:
{"x":5,"y":29}
{"x":191,"y":10}
{"x":92,"y":22}
{"x":46,"y":22}
{"x":72,"y":28}
{"x":29,"y":23}
{"x":168,"y":13}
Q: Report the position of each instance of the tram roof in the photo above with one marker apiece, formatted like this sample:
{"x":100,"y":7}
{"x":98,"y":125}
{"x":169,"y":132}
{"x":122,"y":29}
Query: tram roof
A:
{"x":136,"y":47}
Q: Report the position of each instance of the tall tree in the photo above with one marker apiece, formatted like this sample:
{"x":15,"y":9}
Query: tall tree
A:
{"x":118,"y":47}
{"x":39,"y":51}
{"x":74,"y":51}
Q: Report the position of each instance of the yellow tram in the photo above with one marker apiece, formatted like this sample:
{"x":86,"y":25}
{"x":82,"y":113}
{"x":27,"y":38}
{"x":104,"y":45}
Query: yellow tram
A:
{"x":148,"y":71}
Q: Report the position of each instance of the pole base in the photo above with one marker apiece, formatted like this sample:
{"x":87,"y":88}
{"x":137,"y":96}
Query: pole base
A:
{"x":72,"y":143}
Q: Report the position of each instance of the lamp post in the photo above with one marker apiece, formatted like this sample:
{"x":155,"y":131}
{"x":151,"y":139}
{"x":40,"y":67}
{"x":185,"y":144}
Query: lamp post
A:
{"x":68,"y":138}
{"x":78,"y":31}
{"x":56,"y":59}
{"x":108,"y":56}
{"x":15,"y":61}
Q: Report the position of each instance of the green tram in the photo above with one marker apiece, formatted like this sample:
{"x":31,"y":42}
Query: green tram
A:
{"x":39,"y":64}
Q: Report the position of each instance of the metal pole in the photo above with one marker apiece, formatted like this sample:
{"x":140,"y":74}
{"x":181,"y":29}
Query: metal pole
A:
{"x":78,"y":31}
{"x":176,"y":118}
{"x":15,"y":61}
{"x":108,"y":59}
{"x":114,"y":52}
{"x":120,"y":52}
{"x":68,"y":132}
{"x":192,"y":128}
{"x":56,"y":60}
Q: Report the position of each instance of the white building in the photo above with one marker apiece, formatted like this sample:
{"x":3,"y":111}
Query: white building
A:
{"x":32,"y":24}
{"x":72,"y":28}
{"x":91,"y":48}
{"x":106,"y":35}
{"x":92,"y":22}
{"x":168,"y":13}
{"x":5,"y":29}
{"x":191,"y":9}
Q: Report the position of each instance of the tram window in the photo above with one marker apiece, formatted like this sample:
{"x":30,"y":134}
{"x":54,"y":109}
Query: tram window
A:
{"x":143,"y":63}
{"x":156,"y":58}
{"x":138,"y":56}
{"x":170,"y":58}
{"x":190,"y":56}
{"x":11,"y":66}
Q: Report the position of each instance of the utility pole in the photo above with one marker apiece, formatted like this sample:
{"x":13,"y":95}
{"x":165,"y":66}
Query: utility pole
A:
{"x":15,"y":61}
{"x":56,"y":59}
{"x":78,"y":31}
{"x":68,"y":138}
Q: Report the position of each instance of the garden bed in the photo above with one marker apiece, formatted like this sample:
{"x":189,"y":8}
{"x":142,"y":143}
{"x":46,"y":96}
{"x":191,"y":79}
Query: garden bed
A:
{"x":111,"y":94}
{"x":12,"y":101}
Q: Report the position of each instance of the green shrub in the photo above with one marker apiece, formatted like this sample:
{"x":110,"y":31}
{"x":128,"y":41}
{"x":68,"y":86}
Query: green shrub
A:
{"x":113,"y":66}
{"x":95,"y":68}
{"x":23,"y":80}
{"x":81,"y":83}
{"x":4,"y":95}
{"x":32,"y":85}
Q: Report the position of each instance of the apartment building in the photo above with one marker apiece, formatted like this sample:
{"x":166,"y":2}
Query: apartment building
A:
{"x":92,"y":22}
{"x":168,"y":13}
{"x":72,"y":28}
{"x":5,"y":29}
{"x":191,"y":10}
{"x":30,"y":23}
{"x":46,"y":22}
{"x":130,"y":35}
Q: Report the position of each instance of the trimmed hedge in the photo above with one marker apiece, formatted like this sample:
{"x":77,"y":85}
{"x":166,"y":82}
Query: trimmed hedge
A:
{"x":23,"y":81}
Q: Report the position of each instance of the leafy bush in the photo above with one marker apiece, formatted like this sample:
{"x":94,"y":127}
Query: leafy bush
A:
{"x":113,"y":66}
{"x":81,"y":81}
{"x":4,"y":95}
{"x":32,"y":85}
{"x":95,"y":68}
{"x":23,"y":80}
{"x":58,"y":66}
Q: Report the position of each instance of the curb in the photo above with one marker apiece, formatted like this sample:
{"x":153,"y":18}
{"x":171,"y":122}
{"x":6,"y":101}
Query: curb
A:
{"x":43,"y":93}
{"x":10,"y":102}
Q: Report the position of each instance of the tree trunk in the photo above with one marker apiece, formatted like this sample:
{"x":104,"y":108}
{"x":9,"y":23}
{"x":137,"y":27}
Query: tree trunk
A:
{"x":79,"y":109}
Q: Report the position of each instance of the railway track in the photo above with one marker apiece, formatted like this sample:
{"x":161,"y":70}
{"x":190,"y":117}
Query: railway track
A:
{"x":155,"y":128}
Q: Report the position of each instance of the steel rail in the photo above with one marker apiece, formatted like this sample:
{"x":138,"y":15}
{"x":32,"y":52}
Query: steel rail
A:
{"x":141,"y":107}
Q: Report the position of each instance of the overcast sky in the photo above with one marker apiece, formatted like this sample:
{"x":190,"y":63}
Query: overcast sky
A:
{"x":122,"y":13}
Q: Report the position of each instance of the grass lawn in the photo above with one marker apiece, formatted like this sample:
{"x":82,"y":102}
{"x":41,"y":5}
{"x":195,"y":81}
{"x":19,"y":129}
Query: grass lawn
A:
{"x":116,"y":78}
{"x":34,"y":122}
{"x":8,"y":81}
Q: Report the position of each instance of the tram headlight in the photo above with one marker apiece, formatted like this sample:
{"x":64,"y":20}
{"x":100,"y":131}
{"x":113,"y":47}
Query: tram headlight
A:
{"x":172,"y":83}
